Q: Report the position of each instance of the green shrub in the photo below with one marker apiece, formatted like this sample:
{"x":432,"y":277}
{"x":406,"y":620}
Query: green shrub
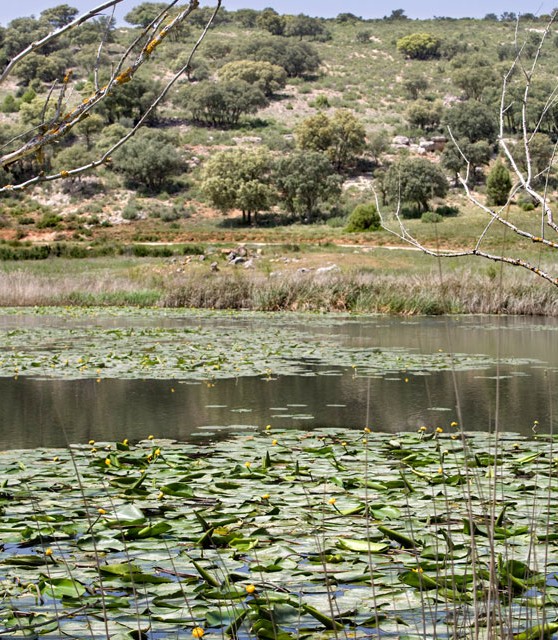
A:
{"x":170,"y":215}
{"x":447,"y":211}
{"x":337,"y":222}
{"x":321,"y":102}
{"x":364,"y":217}
{"x":49,"y":221}
{"x":131,"y":211}
{"x":431,"y":216}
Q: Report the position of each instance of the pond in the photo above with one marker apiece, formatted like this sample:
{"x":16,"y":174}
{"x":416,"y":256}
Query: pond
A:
{"x":71,"y":376}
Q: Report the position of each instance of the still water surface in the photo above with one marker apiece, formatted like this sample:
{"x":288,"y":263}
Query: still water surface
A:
{"x":52,"y":412}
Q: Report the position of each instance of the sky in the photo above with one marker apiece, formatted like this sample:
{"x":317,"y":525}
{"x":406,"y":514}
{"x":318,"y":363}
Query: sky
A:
{"x":326,"y":8}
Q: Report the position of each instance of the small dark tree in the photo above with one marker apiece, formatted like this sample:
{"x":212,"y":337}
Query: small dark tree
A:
{"x":498,"y":185}
{"x":271,"y":21}
{"x":143,"y":14}
{"x":131,"y":101}
{"x":59,"y":16}
{"x":455,"y":158}
{"x":396,"y":14}
{"x":415,"y":85}
{"x":472,"y":121}
{"x":304,"y":26}
{"x":348,"y":17}
{"x":246,"y":17}
{"x":148,"y":161}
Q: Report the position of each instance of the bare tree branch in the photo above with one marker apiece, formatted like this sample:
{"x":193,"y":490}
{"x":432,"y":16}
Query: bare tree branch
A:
{"x":54,"y":35}
{"x":526,"y":179}
{"x":60,"y":125}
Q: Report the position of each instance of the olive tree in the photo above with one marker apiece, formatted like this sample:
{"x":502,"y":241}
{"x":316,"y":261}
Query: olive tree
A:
{"x":306,"y":180}
{"x":342,"y":137}
{"x":239,"y":179}
{"x":415,"y":181}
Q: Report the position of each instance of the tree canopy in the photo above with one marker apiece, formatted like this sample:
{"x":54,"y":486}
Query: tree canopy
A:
{"x":239,"y":179}
{"x":306,"y":180}
{"x":342,"y":137}
{"x":267,"y":77}
{"x":415,"y":181}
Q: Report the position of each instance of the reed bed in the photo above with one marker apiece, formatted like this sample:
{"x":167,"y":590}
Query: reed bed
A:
{"x":355,"y":291}
{"x":463,"y":292}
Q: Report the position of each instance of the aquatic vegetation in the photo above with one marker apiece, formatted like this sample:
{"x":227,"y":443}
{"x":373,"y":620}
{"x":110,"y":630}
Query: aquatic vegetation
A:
{"x":419,"y":535}
{"x":229,"y":346}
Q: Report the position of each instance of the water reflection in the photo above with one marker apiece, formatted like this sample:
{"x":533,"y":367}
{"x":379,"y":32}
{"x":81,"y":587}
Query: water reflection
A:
{"x":53,"y":412}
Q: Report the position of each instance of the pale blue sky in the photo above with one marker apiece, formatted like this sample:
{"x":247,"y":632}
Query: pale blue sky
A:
{"x":326,"y":8}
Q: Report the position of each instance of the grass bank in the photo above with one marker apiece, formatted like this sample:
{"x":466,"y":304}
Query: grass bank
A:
{"x":395,"y":282}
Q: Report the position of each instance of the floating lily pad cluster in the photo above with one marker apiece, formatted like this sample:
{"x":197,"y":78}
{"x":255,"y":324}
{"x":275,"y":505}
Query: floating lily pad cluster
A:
{"x":243,"y":345}
{"x":282,"y":535}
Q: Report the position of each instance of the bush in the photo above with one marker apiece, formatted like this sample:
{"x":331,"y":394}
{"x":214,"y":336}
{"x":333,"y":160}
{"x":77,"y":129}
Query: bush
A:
{"x":419,"y":46}
{"x":130,"y":212}
{"x":364,"y":217}
{"x":49,"y":221}
{"x":170,"y":215}
{"x":431,"y":216}
{"x":321,"y":102}
{"x":447,"y":211}
{"x":364,"y":36}
{"x":526,"y":203}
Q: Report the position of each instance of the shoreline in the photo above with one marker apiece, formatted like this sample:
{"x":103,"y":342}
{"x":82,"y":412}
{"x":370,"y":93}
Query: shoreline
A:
{"x":168,"y":284}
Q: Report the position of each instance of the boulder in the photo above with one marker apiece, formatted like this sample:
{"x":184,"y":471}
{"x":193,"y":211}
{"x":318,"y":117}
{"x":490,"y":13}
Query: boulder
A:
{"x":400,"y":141}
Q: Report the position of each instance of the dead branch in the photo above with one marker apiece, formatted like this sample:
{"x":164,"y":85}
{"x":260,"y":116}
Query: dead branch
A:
{"x":51,"y":132}
{"x":524,"y":177}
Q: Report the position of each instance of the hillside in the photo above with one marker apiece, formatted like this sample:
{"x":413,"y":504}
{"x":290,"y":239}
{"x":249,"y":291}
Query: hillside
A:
{"x":323,"y":76}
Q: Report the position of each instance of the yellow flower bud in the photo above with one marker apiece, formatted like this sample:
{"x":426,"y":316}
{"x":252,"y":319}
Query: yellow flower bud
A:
{"x":250,"y":588}
{"x":198,"y":632}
